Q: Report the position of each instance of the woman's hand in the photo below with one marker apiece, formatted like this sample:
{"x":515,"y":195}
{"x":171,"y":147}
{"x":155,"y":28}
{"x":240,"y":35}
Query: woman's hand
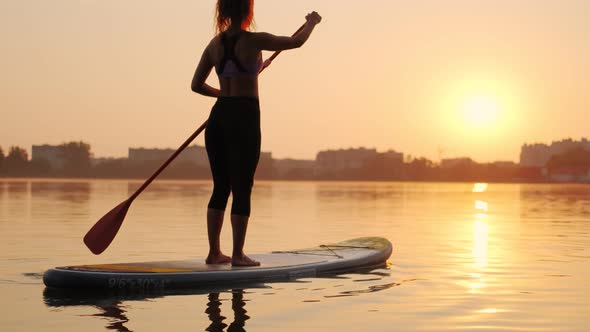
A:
{"x":313,"y":18}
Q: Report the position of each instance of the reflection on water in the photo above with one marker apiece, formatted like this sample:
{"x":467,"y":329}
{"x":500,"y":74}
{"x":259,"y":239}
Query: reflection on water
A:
{"x":115,"y":315}
{"x":171,"y":189}
{"x":480,"y":243}
{"x":63,"y":190}
{"x":480,"y":240}
{"x":357,"y":192}
{"x":213,"y":311}
{"x":481,"y":228}
{"x":45,"y":198}
{"x":112,"y":307}
{"x":238,"y":307}
{"x":555,"y":201}
{"x":467,"y":257}
{"x":479,"y":187}
{"x":225,"y":308}
{"x":75,"y":192}
{"x":15,"y":189}
{"x":481,"y":206}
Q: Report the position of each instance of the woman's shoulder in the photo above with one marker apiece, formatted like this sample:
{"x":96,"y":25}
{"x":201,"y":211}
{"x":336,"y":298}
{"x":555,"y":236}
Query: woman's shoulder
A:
{"x":214,"y":42}
{"x":250,"y":37}
{"x":256,"y":34}
{"x":258,"y":38}
{"x":216,"y":38}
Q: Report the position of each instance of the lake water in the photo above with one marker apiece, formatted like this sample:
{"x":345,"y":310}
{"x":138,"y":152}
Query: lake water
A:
{"x":467,"y":257}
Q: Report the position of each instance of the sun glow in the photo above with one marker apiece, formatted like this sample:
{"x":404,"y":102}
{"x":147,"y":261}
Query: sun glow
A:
{"x":479,"y":107}
{"x":480,"y":110}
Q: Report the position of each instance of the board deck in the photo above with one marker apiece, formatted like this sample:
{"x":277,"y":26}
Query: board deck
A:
{"x":329,"y":258}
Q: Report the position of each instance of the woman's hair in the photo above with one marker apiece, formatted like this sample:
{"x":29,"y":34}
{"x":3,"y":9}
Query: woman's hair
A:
{"x":234,"y":12}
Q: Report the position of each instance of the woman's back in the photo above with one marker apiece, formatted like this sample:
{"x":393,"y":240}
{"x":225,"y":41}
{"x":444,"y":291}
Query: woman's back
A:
{"x":237,"y":60}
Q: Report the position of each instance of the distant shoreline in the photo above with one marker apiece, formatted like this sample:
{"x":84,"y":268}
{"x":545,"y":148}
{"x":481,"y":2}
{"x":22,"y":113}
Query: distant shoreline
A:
{"x":565,"y":161}
{"x":87,"y":179}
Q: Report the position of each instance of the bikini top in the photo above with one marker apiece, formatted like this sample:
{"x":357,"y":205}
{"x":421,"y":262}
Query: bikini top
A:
{"x":230,"y":66}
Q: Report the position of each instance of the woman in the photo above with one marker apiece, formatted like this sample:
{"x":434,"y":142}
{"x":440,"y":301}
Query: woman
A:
{"x":232,"y":137}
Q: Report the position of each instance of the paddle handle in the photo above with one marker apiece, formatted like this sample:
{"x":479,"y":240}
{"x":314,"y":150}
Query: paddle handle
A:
{"x":189,"y":140}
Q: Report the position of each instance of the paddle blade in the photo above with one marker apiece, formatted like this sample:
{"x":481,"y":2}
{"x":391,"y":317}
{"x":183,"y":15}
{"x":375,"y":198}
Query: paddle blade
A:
{"x":104,"y":231}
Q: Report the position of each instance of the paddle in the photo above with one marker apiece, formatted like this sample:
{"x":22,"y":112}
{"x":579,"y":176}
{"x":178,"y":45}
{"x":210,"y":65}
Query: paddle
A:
{"x":100,"y":236}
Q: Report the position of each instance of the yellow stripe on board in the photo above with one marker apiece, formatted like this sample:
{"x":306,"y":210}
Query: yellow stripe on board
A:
{"x":127,"y":268}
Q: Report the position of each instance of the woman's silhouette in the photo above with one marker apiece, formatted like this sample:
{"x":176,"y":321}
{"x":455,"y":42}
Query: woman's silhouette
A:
{"x":232,"y":137}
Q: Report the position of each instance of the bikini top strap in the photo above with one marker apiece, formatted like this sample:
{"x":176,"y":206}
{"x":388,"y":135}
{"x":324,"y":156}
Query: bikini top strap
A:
{"x":229,"y":46}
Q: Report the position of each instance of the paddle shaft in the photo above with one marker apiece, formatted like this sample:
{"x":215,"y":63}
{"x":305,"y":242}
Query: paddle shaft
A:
{"x":189,"y":140}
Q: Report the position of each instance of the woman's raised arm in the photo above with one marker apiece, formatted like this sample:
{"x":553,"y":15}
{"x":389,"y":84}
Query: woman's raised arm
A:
{"x":269,"y":42}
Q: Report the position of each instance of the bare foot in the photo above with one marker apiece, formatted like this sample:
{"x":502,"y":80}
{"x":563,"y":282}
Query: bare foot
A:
{"x":217,"y":258}
{"x":244,"y":261}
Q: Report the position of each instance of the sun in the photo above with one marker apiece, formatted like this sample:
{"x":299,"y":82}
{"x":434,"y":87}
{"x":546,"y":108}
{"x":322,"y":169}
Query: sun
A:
{"x":480,"y":110}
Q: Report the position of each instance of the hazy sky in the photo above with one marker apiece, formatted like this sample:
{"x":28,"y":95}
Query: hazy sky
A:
{"x":428,"y":78}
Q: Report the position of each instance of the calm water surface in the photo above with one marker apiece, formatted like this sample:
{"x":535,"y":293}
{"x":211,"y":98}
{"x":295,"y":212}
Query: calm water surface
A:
{"x":467,"y":257}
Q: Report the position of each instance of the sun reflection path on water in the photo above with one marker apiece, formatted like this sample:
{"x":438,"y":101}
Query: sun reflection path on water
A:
{"x":481,"y":227}
{"x":479,"y":187}
{"x":480,"y":243}
{"x":480,"y":239}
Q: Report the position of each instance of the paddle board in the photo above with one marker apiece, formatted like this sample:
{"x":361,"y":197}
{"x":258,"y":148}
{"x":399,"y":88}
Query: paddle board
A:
{"x":346,"y":256}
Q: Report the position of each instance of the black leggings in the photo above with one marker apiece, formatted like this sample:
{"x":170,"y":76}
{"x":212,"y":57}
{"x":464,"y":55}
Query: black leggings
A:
{"x":232,"y":139}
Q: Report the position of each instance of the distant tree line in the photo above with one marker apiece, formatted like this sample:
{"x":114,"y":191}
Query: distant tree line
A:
{"x":76,"y":158}
{"x":15,"y":163}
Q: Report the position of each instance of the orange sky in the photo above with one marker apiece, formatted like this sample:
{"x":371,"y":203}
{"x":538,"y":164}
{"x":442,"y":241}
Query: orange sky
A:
{"x":414,"y":76}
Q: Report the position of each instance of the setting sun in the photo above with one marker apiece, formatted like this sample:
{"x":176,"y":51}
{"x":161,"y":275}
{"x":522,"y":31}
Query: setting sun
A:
{"x":480,"y":110}
{"x":481,"y":106}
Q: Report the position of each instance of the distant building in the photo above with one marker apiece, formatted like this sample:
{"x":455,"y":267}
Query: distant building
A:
{"x":195,"y":154}
{"x":537,"y":155}
{"x":534,"y":155}
{"x":51,"y":153}
{"x":393,"y":156}
{"x":265,"y":169}
{"x":103,"y":160}
{"x":141,"y":155}
{"x":343,"y":159}
{"x":265,"y":156}
{"x":504,"y":164}
{"x":286,"y":168}
{"x":454,"y":162}
{"x":348,"y":161}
